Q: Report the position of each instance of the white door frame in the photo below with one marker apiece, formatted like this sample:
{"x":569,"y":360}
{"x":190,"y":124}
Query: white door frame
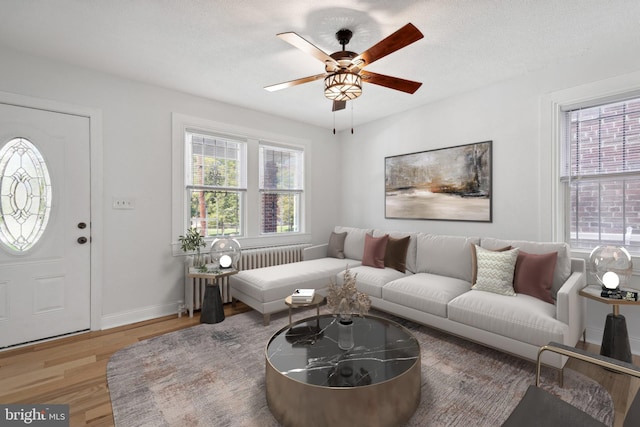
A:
{"x":95,"y":135}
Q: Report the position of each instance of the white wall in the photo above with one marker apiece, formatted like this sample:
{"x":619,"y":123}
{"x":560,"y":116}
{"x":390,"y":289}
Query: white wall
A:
{"x":141,"y":279}
{"x":512,"y":114}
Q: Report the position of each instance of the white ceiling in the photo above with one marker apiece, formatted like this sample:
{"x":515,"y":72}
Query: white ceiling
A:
{"x":228,"y":50}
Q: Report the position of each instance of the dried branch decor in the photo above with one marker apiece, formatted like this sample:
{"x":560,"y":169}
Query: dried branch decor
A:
{"x":346,"y":300}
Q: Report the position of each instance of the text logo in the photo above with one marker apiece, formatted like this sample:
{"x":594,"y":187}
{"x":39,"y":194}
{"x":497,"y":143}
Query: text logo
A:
{"x":34,"y":415}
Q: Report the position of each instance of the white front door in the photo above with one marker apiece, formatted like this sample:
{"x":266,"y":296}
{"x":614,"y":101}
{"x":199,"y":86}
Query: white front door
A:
{"x":45,"y":224}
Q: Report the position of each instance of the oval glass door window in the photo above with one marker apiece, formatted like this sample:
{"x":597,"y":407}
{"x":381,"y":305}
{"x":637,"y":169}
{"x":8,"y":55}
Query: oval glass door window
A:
{"x":25,"y":195}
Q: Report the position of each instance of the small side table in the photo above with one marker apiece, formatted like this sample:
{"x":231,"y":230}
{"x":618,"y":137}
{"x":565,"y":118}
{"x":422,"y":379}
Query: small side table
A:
{"x":317,"y":300}
{"x":615,"y":340}
{"x":212,"y":309}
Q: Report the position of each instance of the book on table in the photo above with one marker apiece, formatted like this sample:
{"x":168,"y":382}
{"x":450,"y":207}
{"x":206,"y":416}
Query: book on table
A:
{"x":302,"y":295}
{"x":621,"y":294}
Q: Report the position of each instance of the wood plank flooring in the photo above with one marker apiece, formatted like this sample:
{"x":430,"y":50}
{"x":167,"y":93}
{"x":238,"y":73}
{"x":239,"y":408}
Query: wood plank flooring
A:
{"x":72,"y":370}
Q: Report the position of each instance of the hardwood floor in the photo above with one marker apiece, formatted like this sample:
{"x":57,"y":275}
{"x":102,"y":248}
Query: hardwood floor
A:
{"x":72,"y":370}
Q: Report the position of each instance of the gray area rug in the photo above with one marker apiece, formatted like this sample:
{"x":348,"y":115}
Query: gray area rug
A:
{"x":213,"y":375}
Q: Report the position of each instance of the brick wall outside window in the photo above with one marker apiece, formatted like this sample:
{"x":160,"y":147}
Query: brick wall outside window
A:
{"x":602,"y":172}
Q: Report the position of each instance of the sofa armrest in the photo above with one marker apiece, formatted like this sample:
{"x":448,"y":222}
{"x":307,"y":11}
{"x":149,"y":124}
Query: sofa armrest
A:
{"x":570,"y":306}
{"x":315,"y":252}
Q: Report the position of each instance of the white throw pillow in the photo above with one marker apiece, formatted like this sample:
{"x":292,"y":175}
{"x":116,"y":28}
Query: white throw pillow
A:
{"x":495,"y":271}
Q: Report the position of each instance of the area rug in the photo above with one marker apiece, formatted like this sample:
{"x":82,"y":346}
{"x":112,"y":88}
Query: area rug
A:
{"x":213,"y":375}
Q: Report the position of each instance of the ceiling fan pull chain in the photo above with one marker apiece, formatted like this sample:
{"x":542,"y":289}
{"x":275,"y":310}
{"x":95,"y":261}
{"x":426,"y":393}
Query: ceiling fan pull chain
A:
{"x":334,"y":122}
{"x":352,"y":118}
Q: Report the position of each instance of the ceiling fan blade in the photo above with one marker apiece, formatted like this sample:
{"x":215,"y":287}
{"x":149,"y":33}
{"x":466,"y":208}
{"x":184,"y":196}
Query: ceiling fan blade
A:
{"x":339,"y":105}
{"x":401,"y":38}
{"x":307,"y":47}
{"x":396,"y":83}
{"x":296,"y":82}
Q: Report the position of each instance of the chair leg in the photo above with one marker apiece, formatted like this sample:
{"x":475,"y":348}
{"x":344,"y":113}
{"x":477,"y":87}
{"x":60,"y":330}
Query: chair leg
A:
{"x":266,"y":319}
{"x":561,"y":377}
{"x":233,"y":302}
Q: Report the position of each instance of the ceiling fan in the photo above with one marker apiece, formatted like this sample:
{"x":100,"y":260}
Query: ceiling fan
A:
{"x":344,"y":70}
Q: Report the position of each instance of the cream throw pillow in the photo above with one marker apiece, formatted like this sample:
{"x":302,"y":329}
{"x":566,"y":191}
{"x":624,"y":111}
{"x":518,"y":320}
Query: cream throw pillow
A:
{"x":495,"y":271}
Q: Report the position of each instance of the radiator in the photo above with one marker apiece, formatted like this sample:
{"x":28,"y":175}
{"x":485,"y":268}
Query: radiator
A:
{"x":249,"y":259}
{"x":266,"y":257}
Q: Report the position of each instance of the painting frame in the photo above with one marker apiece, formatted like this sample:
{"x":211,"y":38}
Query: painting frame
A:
{"x":444,"y":184}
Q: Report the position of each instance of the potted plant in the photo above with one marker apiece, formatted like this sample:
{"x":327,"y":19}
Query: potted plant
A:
{"x":193,"y":241}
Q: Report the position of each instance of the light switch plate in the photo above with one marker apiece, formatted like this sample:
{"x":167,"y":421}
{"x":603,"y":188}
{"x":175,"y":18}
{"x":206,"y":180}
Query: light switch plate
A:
{"x":124,"y":203}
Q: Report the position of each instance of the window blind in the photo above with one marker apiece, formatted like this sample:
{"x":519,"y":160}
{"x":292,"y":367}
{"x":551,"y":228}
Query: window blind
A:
{"x":602,"y":140}
{"x":216,"y":163}
{"x":281,"y":168}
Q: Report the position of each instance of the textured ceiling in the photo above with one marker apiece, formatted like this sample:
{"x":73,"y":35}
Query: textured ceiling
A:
{"x":228,"y":51}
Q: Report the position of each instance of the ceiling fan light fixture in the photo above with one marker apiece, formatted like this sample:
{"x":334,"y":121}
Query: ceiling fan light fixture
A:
{"x":342,"y":86}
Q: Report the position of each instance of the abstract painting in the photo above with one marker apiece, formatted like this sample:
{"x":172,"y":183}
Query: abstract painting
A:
{"x":451,"y":184}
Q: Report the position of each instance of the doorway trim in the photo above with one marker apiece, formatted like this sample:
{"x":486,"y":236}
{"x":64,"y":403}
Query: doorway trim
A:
{"x":95,"y":146}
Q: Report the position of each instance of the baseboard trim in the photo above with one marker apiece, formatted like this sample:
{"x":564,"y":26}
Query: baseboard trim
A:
{"x":594,"y":336}
{"x":139,"y":315}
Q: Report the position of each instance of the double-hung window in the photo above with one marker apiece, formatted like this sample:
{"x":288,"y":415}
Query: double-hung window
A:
{"x":600,"y":172}
{"x":216,"y":183}
{"x":281,"y":186}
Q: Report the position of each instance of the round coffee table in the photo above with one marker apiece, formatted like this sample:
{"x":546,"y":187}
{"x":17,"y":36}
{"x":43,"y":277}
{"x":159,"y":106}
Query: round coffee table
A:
{"x":309,"y":381}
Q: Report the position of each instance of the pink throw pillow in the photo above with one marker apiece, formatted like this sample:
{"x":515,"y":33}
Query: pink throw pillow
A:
{"x":534,"y":275}
{"x":374,"y":250}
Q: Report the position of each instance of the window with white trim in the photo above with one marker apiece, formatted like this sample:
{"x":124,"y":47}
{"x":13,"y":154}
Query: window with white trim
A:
{"x":600,"y":173}
{"x":216,"y":183}
{"x":281,"y":171}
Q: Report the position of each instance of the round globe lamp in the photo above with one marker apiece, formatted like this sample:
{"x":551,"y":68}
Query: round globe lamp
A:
{"x":225,"y":253}
{"x":611,"y":265}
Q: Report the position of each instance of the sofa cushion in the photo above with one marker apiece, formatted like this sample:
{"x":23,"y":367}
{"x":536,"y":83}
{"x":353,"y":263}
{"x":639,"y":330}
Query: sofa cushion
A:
{"x":375,"y":249}
{"x":563,"y":264}
{"x":534,"y":275}
{"x":335,"y":249}
{"x":425,"y":292}
{"x":277,"y":282}
{"x":445,"y":255}
{"x":354,"y":242}
{"x":411,"y":250}
{"x":396,"y":254}
{"x":495,"y":270}
{"x":522,"y":317}
{"x":371,"y":280}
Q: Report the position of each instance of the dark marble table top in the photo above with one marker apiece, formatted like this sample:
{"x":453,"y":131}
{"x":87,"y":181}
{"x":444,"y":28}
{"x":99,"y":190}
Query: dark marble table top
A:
{"x":308,"y":352}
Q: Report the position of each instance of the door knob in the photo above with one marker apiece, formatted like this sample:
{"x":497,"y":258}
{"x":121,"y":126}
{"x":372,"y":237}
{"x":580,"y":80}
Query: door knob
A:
{"x":82,"y":240}
{"x":82,"y":225}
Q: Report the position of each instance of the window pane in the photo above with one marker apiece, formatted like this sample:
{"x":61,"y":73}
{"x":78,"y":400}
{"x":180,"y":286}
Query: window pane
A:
{"x":601,"y":169}
{"x":281,"y":168}
{"x":281,"y":183}
{"x":604,"y":139}
{"x":217,"y":212}
{"x":605,"y":212}
{"x":216,"y":162}
{"x":25,"y":195}
{"x":280,"y":212}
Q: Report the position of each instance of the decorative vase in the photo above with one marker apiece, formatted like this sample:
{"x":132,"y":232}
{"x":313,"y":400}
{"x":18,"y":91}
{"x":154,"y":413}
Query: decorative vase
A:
{"x":345,"y":333}
{"x":198,"y":259}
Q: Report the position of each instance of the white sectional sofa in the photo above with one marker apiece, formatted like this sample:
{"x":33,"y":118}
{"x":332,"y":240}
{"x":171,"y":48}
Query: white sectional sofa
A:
{"x":436,"y":287}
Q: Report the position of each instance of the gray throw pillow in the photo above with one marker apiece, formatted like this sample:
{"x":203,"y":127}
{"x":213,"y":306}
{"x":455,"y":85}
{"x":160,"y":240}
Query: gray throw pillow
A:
{"x":336,"y":245}
{"x":495,"y":271}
